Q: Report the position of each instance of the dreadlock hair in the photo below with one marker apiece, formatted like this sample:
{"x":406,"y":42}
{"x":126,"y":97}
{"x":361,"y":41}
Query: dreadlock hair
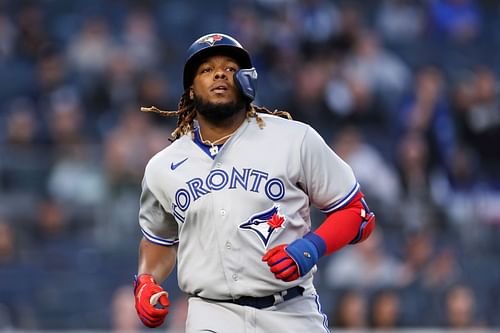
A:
{"x":186,"y":113}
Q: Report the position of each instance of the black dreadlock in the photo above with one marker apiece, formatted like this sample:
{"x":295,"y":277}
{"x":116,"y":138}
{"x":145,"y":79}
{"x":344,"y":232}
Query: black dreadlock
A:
{"x":186,"y":113}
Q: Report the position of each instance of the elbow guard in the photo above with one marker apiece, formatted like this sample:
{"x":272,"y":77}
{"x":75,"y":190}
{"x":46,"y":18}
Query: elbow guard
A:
{"x":367,"y":225}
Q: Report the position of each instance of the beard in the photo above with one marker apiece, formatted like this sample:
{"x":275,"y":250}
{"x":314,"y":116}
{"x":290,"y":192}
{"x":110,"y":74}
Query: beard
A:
{"x":218,"y":113}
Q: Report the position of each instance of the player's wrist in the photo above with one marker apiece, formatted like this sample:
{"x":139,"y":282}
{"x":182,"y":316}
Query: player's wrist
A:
{"x":318,"y":242}
{"x":145,"y":278}
{"x":140,"y":279}
{"x":305,"y":253}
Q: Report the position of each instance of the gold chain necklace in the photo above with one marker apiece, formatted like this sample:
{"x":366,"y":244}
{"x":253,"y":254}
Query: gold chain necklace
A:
{"x":214,"y":150}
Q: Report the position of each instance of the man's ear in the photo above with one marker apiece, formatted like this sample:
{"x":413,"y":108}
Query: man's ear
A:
{"x":191,"y":94}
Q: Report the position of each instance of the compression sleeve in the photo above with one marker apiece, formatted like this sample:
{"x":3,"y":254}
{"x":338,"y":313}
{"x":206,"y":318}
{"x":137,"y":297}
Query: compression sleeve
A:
{"x":352,"y":223}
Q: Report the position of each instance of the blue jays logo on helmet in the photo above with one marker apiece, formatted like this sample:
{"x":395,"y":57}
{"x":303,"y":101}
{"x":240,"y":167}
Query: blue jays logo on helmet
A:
{"x":264,"y":223}
{"x":211,"y":39}
{"x":221,"y":44}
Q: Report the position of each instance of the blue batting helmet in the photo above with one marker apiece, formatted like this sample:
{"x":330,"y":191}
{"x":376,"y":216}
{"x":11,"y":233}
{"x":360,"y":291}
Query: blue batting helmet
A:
{"x":217,"y":43}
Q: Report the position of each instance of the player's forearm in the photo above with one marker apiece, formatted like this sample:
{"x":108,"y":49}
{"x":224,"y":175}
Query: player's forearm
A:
{"x":351,"y":224}
{"x":157,"y":260}
{"x":340,"y":228}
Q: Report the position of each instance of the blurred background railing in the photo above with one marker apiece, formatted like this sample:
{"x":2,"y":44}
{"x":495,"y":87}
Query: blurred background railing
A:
{"x":405,"y":91}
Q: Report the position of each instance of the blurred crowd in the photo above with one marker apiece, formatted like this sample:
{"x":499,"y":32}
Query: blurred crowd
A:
{"x":405,"y":91}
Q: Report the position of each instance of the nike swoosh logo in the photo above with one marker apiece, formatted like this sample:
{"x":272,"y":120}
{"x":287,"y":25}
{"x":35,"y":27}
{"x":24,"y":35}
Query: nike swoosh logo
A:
{"x":174,"y":166}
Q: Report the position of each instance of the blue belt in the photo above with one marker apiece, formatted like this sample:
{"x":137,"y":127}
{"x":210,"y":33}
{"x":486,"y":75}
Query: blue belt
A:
{"x":266,"y":301}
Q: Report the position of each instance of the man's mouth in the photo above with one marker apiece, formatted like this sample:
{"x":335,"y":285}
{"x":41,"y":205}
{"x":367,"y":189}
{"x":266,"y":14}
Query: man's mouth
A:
{"x":219,"y":89}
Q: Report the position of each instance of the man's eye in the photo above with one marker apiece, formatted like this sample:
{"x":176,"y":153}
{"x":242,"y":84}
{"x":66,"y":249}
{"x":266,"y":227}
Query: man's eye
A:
{"x":230,"y":69}
{"x":206,"y":70}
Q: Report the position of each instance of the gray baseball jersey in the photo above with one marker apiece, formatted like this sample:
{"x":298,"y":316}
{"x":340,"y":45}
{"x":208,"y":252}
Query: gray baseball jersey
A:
{"x":225,"y":211}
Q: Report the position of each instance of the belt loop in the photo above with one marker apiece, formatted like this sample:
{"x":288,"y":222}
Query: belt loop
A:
{"x":278,"y":298}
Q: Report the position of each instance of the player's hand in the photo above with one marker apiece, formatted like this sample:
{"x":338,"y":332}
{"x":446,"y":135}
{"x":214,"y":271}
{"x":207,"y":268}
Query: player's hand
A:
{"x":289,"y":262}
{"x":151,"y":301}
{"x":281,"y":264}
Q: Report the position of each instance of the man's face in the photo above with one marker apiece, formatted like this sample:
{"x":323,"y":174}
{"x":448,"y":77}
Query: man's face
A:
{"x":214,"y":90}
{"x":214,"y":80}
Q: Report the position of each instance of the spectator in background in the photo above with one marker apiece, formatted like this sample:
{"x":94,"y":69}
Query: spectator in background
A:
{"x":384,"y":310}
{"x":8,"y":246}
{"x":412,"y":156}
{"x":307,"y":103}
{"x":379,"y":70}
{"x":177,"y":320}
{"x":129,"y":146}
{"x":66,"y":121}
{"x":352,"y":25}
{"x":457,"y":21}
{"x":365,"y":267}
{"x":444,"y":269}
{"x":60,"y":246}
{"x":32,"y":37}
{"x":460,"y":308}
{"x":280,"y":56}
{"x":426,"y":113}
{"x":477,"y":113}
{"x":89,"y":52}
{"x":244,"y":21}
{"x":51,"y":225}
{"x":112,"y":88}
{"x":123,"y":316}
{"x":457,"y":193}
{"x":463,"y":177}
{"x":416,"y":300}
{"x":402,"y":25}
{"x":347,"y":99}
{"x":418,"y":253}
{"x":15,"y":312}
{"x":384,"y":189}
{"x":427,"y":272}
{"x":367,"y":83}
{"x":75,"y":178}
{"x":400,"y":22}
{"x":320,"y":21}
{"x":153,"y":88}
{"x":26,"y":167}
{"x":351,"y":310}
{"x":417,"y":210}
{"x":57,"y":237}
{"x":8,"y":34}
{"x":141,"y":40}
{"x":51,"y":74}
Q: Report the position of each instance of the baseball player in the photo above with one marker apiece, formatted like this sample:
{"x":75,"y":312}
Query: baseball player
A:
{"x":229,"y":201}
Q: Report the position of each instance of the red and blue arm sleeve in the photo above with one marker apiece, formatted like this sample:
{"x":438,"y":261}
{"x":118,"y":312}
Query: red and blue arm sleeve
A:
{"x":349,"y":224}
{"x":352,"y":223}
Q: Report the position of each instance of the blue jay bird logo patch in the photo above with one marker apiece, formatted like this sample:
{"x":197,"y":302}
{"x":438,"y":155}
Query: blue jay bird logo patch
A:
{"x":264,"y":223}
{"x":211,"y":40}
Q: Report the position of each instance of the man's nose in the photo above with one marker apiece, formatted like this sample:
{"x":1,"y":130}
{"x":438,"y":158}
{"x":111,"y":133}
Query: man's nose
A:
{"x":220,"y":74}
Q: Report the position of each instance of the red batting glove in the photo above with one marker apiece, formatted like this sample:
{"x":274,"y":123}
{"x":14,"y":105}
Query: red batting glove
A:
{"x":151,"y":301}
{"x":281,"y":264}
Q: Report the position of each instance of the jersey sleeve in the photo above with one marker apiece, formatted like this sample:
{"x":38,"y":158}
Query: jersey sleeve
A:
{"x":157,"y":225}
{"x":328,"y":180}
